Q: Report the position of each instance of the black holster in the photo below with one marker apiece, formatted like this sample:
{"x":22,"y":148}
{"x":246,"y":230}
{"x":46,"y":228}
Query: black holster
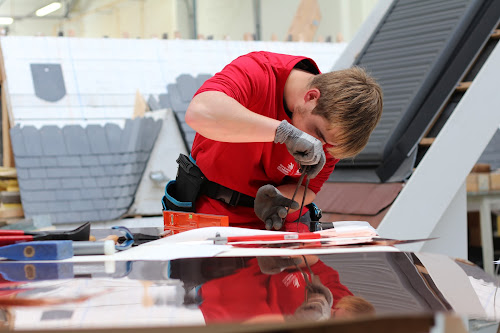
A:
{"x":181,"y":193}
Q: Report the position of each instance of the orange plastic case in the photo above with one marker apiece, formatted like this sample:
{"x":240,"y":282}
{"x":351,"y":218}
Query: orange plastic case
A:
{"x":178,"y":222}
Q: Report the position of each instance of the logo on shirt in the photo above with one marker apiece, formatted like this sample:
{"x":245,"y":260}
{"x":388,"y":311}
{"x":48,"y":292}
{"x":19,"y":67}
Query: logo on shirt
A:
{"x":291,"y":279}
{"x":286,"y":170}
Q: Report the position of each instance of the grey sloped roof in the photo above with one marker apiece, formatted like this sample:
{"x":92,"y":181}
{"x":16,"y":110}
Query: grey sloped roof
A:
{"x":418,"y":54}
{"x":491,"y":155}
{"x":76,"y":174}
{"x":178,"y":97}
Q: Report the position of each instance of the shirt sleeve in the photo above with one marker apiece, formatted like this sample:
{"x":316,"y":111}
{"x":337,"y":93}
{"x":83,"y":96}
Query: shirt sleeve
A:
{"x":242,"y":80}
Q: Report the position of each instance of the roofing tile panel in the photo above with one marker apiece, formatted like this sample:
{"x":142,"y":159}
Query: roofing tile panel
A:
{"x":52,"y":141}
{"x":76,"y":140}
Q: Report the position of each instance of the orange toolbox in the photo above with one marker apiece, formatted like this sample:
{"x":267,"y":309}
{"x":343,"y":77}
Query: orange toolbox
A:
{"x":177,"y":222}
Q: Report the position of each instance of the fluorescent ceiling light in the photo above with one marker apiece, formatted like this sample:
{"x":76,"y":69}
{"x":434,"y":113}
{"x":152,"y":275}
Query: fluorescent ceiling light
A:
{"x":6,"y":20}
{"x":48,"y":9}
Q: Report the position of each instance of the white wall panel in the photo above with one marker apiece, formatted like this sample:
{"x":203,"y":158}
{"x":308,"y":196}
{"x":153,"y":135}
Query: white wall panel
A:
{"x":101,"y":76}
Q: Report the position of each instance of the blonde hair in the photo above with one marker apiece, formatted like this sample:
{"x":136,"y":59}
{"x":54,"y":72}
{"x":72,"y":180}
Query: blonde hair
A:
{"x":350,"y":100}
{"x":355,"y":305}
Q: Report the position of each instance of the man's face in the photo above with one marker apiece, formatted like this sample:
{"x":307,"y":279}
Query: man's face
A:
{"x":313,"y":124}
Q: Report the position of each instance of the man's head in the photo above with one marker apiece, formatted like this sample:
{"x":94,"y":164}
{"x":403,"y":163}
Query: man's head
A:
{"x":352,"y":306}
{"x":342,"y":109}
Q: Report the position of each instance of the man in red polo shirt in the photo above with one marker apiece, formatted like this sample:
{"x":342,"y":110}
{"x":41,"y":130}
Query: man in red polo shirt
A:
{"x":263,"y":118}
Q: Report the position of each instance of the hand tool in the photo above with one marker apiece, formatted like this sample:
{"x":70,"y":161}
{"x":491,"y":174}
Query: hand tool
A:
{"x":38,"y":250}
{"x":302,"y":169}
{"x":81,"y":233}
{"x":267,"y":238}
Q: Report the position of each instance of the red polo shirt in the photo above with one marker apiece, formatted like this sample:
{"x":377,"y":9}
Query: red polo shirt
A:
{"x":257,"y":82}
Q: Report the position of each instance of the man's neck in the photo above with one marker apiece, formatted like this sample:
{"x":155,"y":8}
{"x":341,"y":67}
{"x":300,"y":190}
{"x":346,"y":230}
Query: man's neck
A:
{"x":296,"y":86}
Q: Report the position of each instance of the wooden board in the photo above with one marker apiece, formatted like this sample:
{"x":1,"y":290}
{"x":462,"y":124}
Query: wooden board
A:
{"x":306,"y":21}
{"x":463,"y":86}
{"x":496,"y":34}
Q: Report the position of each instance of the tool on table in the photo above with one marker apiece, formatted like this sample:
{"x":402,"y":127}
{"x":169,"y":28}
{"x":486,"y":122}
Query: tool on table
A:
{"x":55,"y":250}
{"x":38,"y":250}
{"x":88,"y":248}
{"x":265,"y":238}
{"x":302,"y":169}
{"x":176,"y":222}
{"x":82,"y":233}
{"x":36,"y":271}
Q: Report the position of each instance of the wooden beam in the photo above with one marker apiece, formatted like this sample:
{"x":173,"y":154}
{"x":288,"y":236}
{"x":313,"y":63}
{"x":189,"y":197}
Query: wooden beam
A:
{"x":496,"y":34}
{"x":427,"y":141}
{"x":463,"y":86}
{"x":8,"y":156}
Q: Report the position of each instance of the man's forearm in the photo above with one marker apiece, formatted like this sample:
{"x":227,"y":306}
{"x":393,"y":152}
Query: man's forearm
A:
{"x":287,"y":190}
{"x":219,"y":117}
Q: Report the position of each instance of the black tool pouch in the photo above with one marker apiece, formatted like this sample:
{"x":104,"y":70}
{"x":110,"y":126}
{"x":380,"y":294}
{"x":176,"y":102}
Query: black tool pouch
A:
{"x":181,"y":193}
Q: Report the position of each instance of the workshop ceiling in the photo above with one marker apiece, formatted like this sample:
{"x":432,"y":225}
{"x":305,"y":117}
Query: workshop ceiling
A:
{"x":19,"y":9}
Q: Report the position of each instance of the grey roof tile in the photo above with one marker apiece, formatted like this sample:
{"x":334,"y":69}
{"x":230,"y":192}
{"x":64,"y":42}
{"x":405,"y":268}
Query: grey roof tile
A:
{"x":27,"y":162}
{"x":92,"y":193}
{"x":81,"y":205}
{"x":107,"y":159}
{"x":57,"y":206}
{"x":187,"y":86}
{"x":175,"y":98}
{"x":108,"y":192}
{"x":90,"y":160}
{"x":68,"y":217}
{"x":124,"y":202}
{"x":48,"y":161}
{"x":153,"y":103}
{"x":89,"y":182}
{"x":114,"y":137}
{"x":128,"y":158}
{"x":76,"y":140}
{"x":60,"y":172}
{"x":51,"y":184}
{"x":150,"y":131}
{"x":100,"y":204}
{"x":31,"y":184}
{"x":68,"y":161}
{"x":75,"y":183}
{"x":105,"y":215}
{"x":22,"y":173}
{"x":115,"y":180}
{"x":32,"y":141}
{"x":17,"y":141}
{"x":81,"y":172}
{"x":97,"y":139}
{"x":71,"y":195}
{"x":97,"y":171}
{"x":164,"y":101}
{"x":201,"y":78}
{"x":103,"y":181}
{"x":38,"y":173}
{"x":39,"y":196}
{"x":131,"y":135}
{"x":52,"y":141}
{"x":38,"y":207}
{"x":90,"y":216}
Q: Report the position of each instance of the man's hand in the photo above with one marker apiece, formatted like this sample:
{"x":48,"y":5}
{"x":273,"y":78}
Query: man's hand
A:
{"x":306,"y":149}
{"x":270,"y":206}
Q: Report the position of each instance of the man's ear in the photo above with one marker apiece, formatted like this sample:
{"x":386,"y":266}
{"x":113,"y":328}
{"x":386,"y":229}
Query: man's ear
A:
{"x":311,"y":95}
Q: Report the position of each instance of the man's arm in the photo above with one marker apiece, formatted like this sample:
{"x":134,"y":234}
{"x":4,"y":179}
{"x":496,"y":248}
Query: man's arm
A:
{"x":219,"y":117}
{"x":288,"y":189}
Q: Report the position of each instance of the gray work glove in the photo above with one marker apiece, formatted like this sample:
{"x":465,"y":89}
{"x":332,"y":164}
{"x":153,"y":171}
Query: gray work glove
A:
{"x":270,"y":206}
{"x":306,"y":149}
{"x":318,"y":304}
{"x":275,"y":265}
